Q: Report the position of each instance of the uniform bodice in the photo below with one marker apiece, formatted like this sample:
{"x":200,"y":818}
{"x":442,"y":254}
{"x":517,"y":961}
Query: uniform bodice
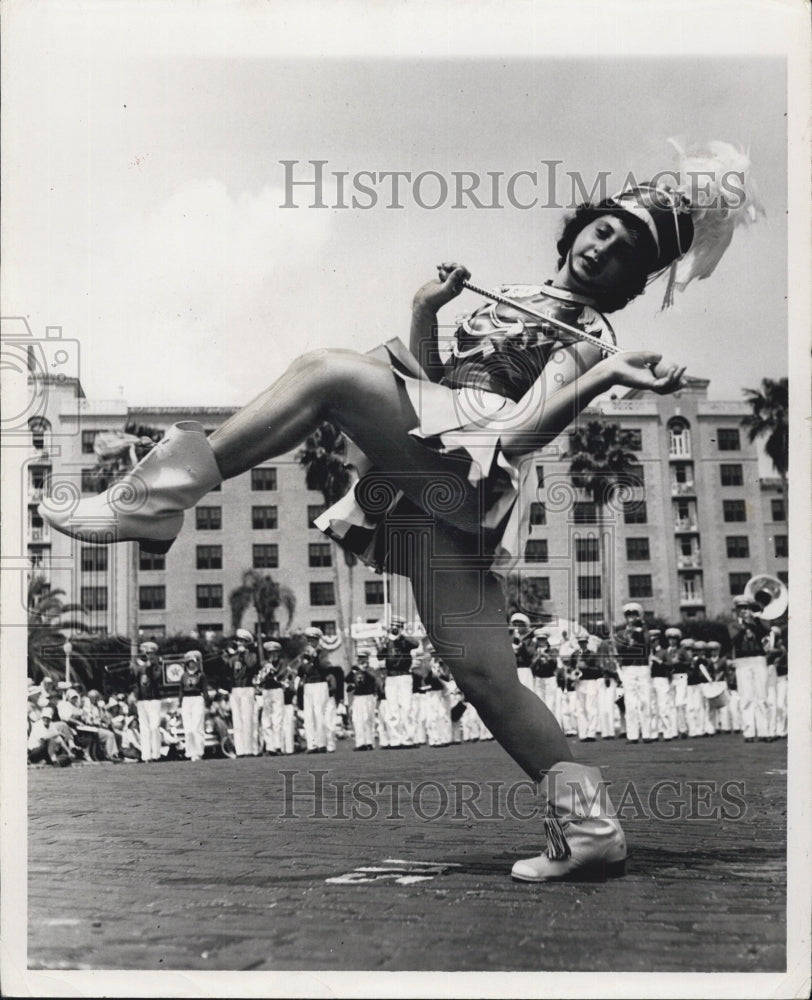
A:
{"x":499,"y":349}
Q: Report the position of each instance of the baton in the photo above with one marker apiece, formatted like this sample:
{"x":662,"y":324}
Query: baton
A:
{"x":573,"y":331}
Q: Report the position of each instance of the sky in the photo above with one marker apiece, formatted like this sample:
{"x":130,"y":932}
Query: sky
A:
{"x":143,"y":201}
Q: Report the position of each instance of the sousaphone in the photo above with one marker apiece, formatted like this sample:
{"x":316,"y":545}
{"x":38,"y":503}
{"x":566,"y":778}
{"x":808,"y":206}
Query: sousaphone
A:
{"x":770,"y":594}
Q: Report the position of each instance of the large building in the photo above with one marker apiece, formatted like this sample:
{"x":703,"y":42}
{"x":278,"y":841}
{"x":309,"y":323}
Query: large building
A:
{"x":681,"y":543}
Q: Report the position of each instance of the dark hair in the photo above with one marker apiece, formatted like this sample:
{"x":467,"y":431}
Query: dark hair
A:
{"x":636,"y":284}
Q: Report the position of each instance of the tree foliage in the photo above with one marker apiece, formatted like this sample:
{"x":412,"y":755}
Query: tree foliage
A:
{"x":769,"y":419}
{"x":262,"y":593}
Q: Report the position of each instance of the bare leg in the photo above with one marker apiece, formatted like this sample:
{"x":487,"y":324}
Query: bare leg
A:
{"x":463,"y":605}
{"x":365,"y":400}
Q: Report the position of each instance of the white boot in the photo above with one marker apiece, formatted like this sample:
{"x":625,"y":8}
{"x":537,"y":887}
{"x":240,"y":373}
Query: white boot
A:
{"x":584,"y":838}
{"x":147,"y":504}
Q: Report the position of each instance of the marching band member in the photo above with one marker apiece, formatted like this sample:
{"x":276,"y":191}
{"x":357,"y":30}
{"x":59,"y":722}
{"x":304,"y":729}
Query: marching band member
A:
{"x":315,"y":692}
{"x":396,"y":651}
{"x":774,"y":636}
{"x":633,"y":656}
{"x":523,"y":647}
{"x":698,"y":675}
{"x":440,"y":733}
{"x":663,"y":713}
{"x":191,"y":690}
{"x":607,"y":689}
{"x":749,"y":654}
{"x":543,"y":668}
{"x":289,"y":682}
{"x":717,"y":665}
{"x":682,"y":667}
{"x":335,"y":680}
{"x":780,"y":662}
{"x":148,"y":670}
{"x":243,"y":663}
{"x":269,"y":682}
{"x":586,"y":671}
{"x":363,"y":685}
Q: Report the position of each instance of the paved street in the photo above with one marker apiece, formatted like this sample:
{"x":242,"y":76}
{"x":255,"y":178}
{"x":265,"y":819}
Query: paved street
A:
{"x":204,"y":866}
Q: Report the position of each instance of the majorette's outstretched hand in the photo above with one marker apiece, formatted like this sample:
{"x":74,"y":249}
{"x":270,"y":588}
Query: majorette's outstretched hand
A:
{"x":646,"y":370}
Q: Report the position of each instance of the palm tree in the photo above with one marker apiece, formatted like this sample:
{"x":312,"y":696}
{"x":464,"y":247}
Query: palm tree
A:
{"x":265,"y":595}
{"x":324,"y":460}
{"x":770,"y":420}
{"x":601,"y":461}
{"x":46,"y":621}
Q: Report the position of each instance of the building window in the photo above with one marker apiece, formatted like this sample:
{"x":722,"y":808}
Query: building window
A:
{"x":737,"y":582}
{"x":373,"y":591}
{"x":209,"y":595}
{"x":151,"y":560}
{"x":584,"y":512}
{"x":94,"y":559}
{"x":536,"y":550}
{"x":536,"y":588}
{"x":640,"y":585}
{"x":94,"y":598}
{"x":680,"y":470}
{"x":90,"y":484}
{"x":634,"y":512}
{"x":738,"y":547}
{"x":731,"y":475}
{"x":263,"y":518}
{"x":734,"y":510}
{"x":633,"y":440}
{"x":635,"y":476}
{"x":209,"y":556}
{"x":538,"y":513}
{"x":319,"y":554}
{"x":151,"y":631}
{"x":208,"y":518}
{"x":314,"y":510}
{"x":679,"y":439}
{"x":204,"y":627}
{"x":778,"y":510}
{"x":265,"y":556}
{"x":589,"y":587}
{"x":539,"y":475}
{"x":637,"y":549}
{"x":781,"y":548}
{"x":152,"y":598}
{"x":263,"y":479}
{"x":88,"y":440}
{"x":783,"y":576}
{"x":328,"y":627}
{"x":321,"y":594}
{"x":727,"y":439}
{"x":587,"y":550}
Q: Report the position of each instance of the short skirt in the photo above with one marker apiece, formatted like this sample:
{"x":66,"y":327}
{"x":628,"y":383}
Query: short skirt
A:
{"x":374,"y":519}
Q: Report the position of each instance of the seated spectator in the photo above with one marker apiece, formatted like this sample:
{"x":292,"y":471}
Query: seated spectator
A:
{"x":44,"y":744}
{"x":95,"y":714}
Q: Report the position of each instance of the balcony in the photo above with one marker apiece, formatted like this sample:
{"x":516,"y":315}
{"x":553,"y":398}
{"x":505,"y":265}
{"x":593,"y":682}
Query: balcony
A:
{"x":689,"y":562}
{"x":685,"y":524}
{"x":39,"y":534}
{"x":679,"y":450}
{"x":35,"y":494}
{"x":682,"y":489}
{"x":692,"y":598}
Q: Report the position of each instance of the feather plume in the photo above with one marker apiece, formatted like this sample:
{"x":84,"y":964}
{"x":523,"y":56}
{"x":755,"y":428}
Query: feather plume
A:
{"x":716,"y":179}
